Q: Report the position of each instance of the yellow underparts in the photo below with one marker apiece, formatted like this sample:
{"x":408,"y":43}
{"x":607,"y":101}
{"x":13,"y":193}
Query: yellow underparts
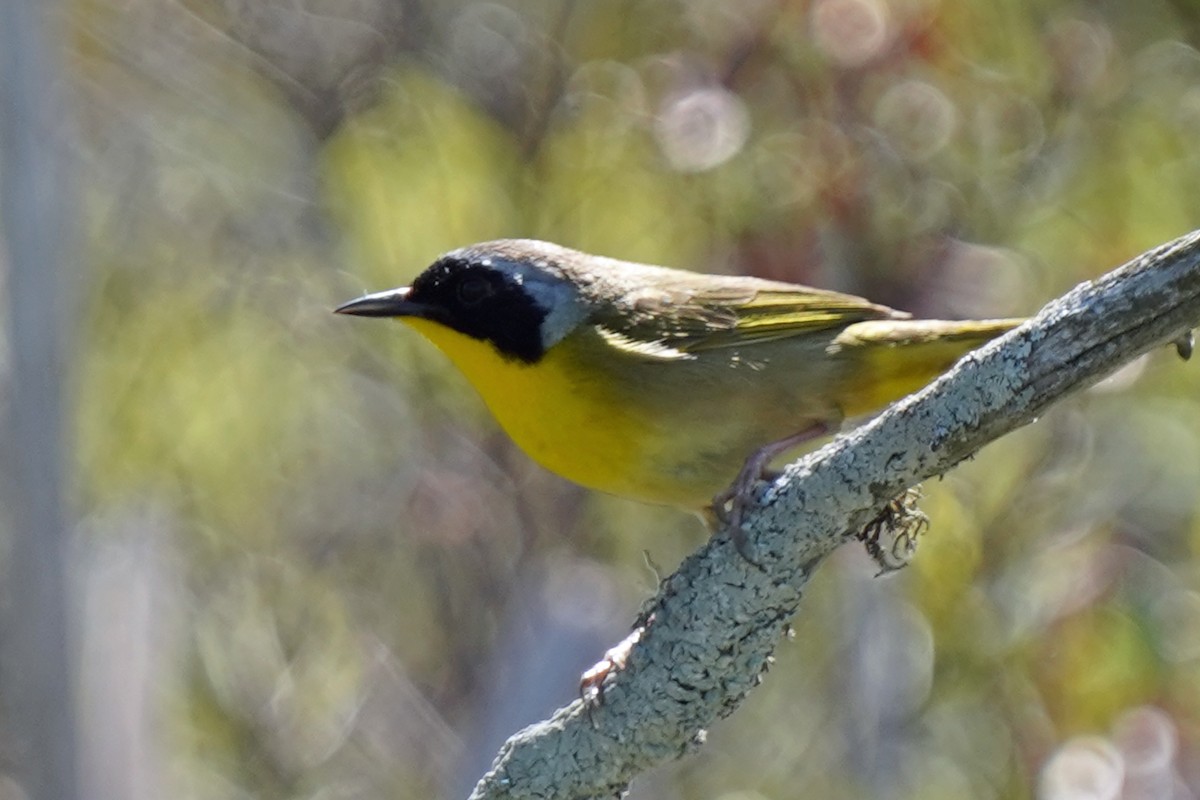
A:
{"x":568,"y":413}
{"x":568,"y":425}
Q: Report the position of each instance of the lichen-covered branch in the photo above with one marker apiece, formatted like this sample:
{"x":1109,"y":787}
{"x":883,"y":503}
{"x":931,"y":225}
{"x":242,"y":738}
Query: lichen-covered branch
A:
{"x":716,"y":621}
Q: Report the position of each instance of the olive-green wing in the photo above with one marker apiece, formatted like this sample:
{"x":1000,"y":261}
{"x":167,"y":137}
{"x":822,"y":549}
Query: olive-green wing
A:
{"x":733,"y":312}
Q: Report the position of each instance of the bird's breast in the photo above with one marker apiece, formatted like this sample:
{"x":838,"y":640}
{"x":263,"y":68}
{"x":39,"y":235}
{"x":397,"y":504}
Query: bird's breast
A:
{"x":567,"y":417}
{"x":667,"y":433}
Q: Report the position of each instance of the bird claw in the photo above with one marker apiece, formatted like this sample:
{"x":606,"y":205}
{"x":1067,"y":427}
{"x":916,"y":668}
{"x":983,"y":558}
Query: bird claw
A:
{"x":729,"y":505}
{"x":1184,"y":345}
{"x":891,"y":538}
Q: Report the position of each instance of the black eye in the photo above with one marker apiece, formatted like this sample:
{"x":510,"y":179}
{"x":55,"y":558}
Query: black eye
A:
{"x":473,"y":290}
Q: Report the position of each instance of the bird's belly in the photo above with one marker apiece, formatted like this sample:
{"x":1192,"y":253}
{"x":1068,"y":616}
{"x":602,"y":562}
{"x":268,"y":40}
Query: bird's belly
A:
{"x":573,"y":429}
{"x":573,"y":426}
{"x":615,"y":431}
{"x":630,"y":441}
{"x":586,"y":438}
{"x":586,"y":432}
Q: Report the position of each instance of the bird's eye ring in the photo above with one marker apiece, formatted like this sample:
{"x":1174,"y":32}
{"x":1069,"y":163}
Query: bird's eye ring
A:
{"x":474,"y":290}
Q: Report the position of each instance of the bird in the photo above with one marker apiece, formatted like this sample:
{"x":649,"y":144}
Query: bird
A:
{"x":662,"y":385}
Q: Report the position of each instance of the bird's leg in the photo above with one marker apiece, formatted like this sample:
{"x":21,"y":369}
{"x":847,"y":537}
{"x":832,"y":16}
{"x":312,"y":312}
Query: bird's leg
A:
{"x":727,"y":506}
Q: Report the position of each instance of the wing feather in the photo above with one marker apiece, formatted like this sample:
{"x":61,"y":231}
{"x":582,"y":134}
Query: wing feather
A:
{"x":743,"y":311}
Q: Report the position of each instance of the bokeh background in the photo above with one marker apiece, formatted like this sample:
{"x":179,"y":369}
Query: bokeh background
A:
{"x":308,"y":565}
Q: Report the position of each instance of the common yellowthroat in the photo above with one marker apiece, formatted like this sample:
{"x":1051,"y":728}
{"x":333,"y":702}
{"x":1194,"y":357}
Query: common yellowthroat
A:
{"x":659,"y":384}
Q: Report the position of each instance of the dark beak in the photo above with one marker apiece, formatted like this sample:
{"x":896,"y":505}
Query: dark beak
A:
{"x":392,"y":303}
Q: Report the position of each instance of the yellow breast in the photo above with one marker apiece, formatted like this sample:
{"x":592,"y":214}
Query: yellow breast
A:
{"x":567,"y":421}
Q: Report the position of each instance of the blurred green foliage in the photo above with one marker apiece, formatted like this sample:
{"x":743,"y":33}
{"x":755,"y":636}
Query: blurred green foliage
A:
{"x":356,"y":587}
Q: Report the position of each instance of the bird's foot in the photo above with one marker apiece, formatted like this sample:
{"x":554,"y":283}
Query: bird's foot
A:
{"x":1184,"y":345}
{"x":729,"y":506}
{"x":891,"y":538}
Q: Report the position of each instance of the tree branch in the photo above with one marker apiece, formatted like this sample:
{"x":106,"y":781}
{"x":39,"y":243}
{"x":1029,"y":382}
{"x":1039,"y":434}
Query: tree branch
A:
{"x":715,"y":622}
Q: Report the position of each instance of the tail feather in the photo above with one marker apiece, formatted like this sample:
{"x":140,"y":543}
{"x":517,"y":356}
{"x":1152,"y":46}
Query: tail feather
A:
{"x":897,"y":332}
{"x":894,"y":357}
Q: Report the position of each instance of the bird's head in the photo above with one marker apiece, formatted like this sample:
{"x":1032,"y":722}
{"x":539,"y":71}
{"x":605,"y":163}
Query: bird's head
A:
{"x":518,"y":295}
